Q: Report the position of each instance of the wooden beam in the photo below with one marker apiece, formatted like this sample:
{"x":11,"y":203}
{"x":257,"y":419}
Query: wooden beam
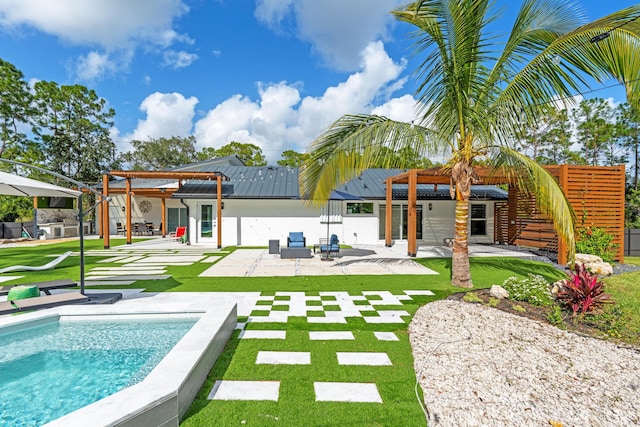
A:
{"x":128,"y":208}
{"x":106,"y":239}
{"x":219,"y":211}
{"x":169,"y":175}
{"x":412,"y":246}
{"x":387,"y":213}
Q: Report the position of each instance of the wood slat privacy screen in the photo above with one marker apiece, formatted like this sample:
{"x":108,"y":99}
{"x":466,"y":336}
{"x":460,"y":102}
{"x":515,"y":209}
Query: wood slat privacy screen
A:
{"x":596,"y":194}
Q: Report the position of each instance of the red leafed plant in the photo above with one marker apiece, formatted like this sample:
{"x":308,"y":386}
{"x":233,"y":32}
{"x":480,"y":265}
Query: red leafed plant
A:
{"x":582,"y":291}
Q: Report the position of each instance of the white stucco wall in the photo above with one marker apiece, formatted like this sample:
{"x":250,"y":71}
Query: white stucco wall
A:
{"x":255,"y":222}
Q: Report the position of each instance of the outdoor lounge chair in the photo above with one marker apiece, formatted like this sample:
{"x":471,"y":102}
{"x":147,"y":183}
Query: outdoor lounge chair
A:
{"x":45,"y":287}
{"x":332,"y":246}
{"x":38,"y":303}
{"x":179,"y":233}
{"x":46,"y":266}
{"x":296,"y":239}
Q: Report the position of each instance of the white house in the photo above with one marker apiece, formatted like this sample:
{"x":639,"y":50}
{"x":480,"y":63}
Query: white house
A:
{"x":263,"y":203}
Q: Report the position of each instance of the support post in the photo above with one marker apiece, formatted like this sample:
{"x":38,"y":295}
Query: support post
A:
{"x":105,"y":212}
{"x":219,"y":209}
{"x":563,"y":180}
{"x":128,"y":208}
{"x":81,"y":234}
{"x":412,"y":246}
{"x":163,"y":221}
{"x":387,"y":213}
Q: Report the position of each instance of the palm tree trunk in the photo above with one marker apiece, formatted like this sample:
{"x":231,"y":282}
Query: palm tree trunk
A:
{"x":460,"y":268}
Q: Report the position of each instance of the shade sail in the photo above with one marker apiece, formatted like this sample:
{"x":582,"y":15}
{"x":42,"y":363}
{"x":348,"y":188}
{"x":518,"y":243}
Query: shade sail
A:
{"x":15,"y":185}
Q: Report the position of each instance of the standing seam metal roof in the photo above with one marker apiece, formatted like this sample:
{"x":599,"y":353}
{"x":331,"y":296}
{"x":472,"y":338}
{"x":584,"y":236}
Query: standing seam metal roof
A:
{"x":281,"y":182}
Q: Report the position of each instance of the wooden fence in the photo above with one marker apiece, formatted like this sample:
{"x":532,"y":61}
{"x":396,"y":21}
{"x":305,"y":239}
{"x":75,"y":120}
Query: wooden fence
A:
{"x":596,"y":194}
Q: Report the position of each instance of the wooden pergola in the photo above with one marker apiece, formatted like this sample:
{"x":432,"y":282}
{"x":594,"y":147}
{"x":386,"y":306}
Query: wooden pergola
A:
{"x":160,"y":193}
{"x":594,"y":192}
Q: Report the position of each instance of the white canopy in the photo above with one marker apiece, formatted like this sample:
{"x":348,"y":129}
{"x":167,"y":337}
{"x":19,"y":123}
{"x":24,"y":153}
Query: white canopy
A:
{"x":15,"y":185}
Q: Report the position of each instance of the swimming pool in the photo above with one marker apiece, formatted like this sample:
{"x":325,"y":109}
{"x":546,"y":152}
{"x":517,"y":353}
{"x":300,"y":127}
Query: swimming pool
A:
{"x":165,"y":395}
{"x":52,"y":369}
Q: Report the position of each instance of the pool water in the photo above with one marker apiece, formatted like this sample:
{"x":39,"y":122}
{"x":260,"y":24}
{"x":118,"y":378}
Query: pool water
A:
{"x":51,"y":370}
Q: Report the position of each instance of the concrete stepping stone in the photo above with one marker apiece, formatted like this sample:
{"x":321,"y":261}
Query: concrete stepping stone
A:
{"x":129,"y":259}
{"x":386,"y":336}
{"x":330,"y":335}
{"x":346,"y":392}
{"x":334,"y":319}
{"x":274,"y":316}
{"x":419,"y":292}
{"x":113,"y":259}
{"x":382,"y":319}
{"x":90,"y":282}
{"x":386,"y":298}
{"x":174,"y":258}
{"x":128,"y":267}
{"x":263,"y":335}
{"x":159,"y":264}
{"x":363,"y":359}
{"x":245,"y":390}
{"x":131,"y":277}
{"x":283,"y":358}
{"x":122,"y":272}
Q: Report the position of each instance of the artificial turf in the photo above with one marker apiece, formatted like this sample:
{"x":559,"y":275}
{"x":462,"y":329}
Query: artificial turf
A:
{"x":296,"y":403}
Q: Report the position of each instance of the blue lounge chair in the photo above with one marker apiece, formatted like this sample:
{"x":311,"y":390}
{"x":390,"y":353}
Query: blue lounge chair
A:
{"x":332,"y":247}
{"x":296,"y":239}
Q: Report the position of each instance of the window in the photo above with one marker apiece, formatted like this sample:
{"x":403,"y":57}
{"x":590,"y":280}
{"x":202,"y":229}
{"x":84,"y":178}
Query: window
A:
{"x":359,"y":208}
{"x":479,"y":220}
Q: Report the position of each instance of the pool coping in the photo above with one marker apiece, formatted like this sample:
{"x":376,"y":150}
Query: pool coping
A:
{"x":164,"y":396}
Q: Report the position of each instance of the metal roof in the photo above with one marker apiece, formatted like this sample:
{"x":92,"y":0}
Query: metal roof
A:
{"x":281,"y":182}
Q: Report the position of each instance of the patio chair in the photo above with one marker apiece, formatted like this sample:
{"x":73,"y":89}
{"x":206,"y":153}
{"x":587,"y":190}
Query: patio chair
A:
{"x":179,"y":233}
{"x":120,"y":229}
{"x":331,"y":247}
{"x":296,"y":239}
{"x":46,"y":266}
{"x":45,"y":287}
{"x":46,"y":301}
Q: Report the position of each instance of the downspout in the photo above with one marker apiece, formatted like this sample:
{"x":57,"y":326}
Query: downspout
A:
{"x":188,"y":232}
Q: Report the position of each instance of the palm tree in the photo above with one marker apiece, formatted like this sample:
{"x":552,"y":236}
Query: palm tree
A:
{"x":476,"y":91}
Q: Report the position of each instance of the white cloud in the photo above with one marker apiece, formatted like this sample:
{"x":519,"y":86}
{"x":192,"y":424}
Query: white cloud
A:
{"x":178,"y":59}
{"x":168,"y":114}
{"x":107,"y":23}
{"x":281,"y":119}
{"x":402,"y":109}
{"x":116,"y":27}
{"x":338,"y":30}
{"x":94,"y":65}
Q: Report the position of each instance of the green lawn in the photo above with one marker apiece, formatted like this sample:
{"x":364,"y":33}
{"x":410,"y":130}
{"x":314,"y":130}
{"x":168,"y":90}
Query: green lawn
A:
{"x":296,"y":405}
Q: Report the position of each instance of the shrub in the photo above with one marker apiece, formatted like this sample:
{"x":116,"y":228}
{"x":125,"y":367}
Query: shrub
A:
{"x":554,"y":317}
{"x":471,"y":297}
{"x":582,"y":291}
{"x":596,"y":241}
{"x":534,"y":289}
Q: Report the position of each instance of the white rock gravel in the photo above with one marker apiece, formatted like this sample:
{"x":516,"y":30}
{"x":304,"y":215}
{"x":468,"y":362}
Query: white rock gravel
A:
{"x":479,"y":366}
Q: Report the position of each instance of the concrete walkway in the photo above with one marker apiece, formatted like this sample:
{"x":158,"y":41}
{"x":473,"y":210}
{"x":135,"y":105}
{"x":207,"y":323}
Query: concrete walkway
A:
{"x":155,"y":254}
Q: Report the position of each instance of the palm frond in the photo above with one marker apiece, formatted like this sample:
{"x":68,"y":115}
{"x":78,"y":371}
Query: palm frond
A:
{"x":549,"y":197}
{"x":354,"y":143}
{"x":565,"y":66}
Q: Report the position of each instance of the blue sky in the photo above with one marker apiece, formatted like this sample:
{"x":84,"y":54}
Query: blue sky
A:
{"x":274,"y":73}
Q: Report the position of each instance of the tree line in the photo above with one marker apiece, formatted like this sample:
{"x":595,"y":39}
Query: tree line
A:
{"x":66,"y":129}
